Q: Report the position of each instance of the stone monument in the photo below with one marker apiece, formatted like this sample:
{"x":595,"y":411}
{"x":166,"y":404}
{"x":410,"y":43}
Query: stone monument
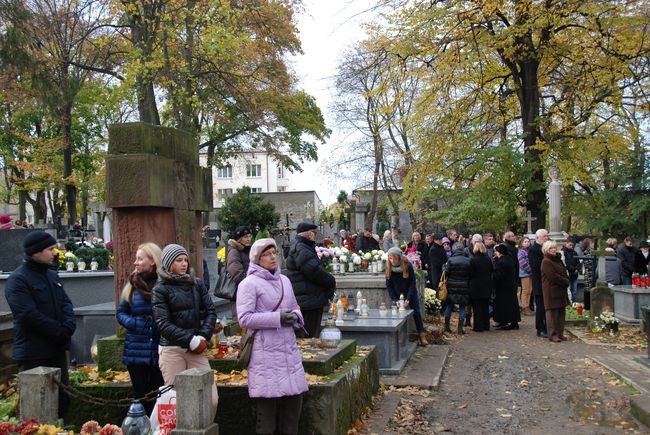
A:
{"x":601,"y":299}
{"x":554,"y":205}
{"x":157,"y":191}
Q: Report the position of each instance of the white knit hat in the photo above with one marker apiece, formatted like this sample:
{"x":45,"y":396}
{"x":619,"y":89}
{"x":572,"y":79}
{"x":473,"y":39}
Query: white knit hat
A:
{"x":258,"y":247}
{"x":170,"y":253}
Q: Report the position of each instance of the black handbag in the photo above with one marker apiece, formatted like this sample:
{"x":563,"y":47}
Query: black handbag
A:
{"x":225,"y":288}
{"x":246,"y":343}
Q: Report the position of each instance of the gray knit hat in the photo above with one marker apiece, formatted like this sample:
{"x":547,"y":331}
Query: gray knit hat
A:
{"x":395,"y":250}
{"x":169,"y":254}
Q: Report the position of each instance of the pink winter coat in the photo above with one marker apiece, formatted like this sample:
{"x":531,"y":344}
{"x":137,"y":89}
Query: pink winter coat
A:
{"x":275,"y":368}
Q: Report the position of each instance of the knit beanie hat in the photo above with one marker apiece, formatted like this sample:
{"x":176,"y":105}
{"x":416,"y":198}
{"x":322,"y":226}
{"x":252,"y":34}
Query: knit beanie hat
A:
{"x":395,"y":250}
{"x":36,"y":241}
{"x":501,"y":249}
{"x":241,"y":231}
{"x":259,"y":247}
{"x":170,"y":253}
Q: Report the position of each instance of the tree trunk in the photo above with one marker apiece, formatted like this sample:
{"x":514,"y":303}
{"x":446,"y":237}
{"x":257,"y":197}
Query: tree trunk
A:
{"x":70,"y":188}
{"x":22,"y":202}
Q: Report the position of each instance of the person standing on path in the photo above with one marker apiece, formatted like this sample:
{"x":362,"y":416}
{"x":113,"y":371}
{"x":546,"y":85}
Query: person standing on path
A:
{"x":524,"y":276}
{"x":572,"y":263}
{"x":480,"y":287}
{"x":43,"y":315}
{"x":237,"y":259}
{"x":535,"y":257}
{"x":276,"y":378}
{"x":437,"y":258}
{"x":457,"y":270}
{"x":506,"y":307}
{"x":642,"y":259}
{"x":312,"y":284}
{"x":555,"y":281}
{"x":135,"y":314}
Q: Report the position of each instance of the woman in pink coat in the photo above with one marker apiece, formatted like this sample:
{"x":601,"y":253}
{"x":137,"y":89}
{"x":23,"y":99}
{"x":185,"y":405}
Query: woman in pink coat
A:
{"x":276,"y":377}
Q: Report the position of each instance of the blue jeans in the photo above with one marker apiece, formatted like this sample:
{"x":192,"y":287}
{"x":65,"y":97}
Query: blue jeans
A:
{"x":450,"y":307}
{"x":627,"y":280}
{"x":573,"y":286}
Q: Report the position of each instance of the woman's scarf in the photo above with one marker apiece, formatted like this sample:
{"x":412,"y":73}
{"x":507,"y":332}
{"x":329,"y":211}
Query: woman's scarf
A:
{"x":144,"y":283}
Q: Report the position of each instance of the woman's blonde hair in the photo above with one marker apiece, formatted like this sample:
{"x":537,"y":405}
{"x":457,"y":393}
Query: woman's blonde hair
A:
{"x":548,"y":245}
{"x":403,"y":262}
{"x":479,"y":247}
{"x":152,"y":251}
{"x":612,"y":242}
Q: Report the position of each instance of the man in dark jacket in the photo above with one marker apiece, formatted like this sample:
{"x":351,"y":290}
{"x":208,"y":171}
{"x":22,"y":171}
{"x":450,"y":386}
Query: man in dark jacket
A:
{"x":572,"y":263}
{"x":437,"y":258}
{"x":312,"y":284}
{"x":43,"y":315}
{"x":535,"y":258}
{"x":510,"y":240}
{"x":626,"y":253}
{"x":366,"y":242}
{"x":457,"y":269}
{"x":642,"y":258}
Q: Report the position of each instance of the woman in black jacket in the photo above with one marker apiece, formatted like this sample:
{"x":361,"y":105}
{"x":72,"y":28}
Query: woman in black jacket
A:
{"x":480,"y":287}
{"x":506,"y":306}
{"x":457,"y":271}
{"x":184,"y":315}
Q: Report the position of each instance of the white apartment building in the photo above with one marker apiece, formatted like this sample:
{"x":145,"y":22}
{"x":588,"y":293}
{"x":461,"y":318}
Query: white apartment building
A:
{"x":258,"y":170}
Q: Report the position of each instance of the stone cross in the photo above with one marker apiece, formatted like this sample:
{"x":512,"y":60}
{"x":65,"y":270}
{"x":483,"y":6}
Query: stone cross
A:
{"x":529,"y":221}
{"x":157,"y":191}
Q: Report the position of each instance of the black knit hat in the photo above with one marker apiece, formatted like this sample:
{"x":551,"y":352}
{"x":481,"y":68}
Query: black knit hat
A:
{"x":241,"y":231}
{"x":37,"y":241}
{"x":170,"y":253}
{"x":501,"y":249}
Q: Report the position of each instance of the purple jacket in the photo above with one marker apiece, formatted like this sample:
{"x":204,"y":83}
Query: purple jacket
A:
{"x":275,"y":368}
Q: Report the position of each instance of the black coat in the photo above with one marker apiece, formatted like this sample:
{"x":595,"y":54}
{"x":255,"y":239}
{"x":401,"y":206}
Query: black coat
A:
{"x":641,"y":263}
{"x":512,"y":250}
{"x":398,"y":285}
{"x":480,"y":277}
{"x":506,"y":306}
{"x":571,"y":262}
{"x":535,"y":258}
{"x":182,"y":310}
{"x":43,"y":315}
{"x":627,"y":260}
{"x":437,"y":258}
{"x":312,"y":284}
{"x":457,"y":270}
{"x":365,"y":244}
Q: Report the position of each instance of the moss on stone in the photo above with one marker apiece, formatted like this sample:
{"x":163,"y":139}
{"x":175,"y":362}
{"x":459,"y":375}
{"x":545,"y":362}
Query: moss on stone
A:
{"x":110,"y":351}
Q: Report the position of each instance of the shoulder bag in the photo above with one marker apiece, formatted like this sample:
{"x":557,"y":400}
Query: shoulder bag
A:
{"x":442,"y":287}
{"x":246,"y":344}
{"x":225,"y":287}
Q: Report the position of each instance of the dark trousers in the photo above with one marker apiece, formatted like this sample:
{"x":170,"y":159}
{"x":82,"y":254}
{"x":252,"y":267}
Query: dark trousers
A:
{"x":481,"y":310}
{"x":280,"y":414}
{"x":145,"y":378}
{"x":312,"y":319}
{"x":59,"y":361}
{"x":417,"y":317}
{"x":540,"y":314}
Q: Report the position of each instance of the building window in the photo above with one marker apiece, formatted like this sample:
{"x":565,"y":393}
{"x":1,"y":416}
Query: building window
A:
{"x":282,"y":188}
{"x":224,"y":172}
{"x":253,"y":170}
{"x":223,"y":193}
{"x":280,"y":171}
{"x":256,"y":190}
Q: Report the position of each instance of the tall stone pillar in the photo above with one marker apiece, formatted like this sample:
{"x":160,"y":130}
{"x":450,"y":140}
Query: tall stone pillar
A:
{"x":555,"y":204}
{"x":157,"y":191}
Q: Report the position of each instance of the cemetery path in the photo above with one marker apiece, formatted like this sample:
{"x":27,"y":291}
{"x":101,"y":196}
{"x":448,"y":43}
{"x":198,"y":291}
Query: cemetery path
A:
{"x":513,"y":382}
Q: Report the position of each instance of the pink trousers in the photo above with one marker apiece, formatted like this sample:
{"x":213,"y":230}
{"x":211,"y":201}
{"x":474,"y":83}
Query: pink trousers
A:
{"x":174,"y":360}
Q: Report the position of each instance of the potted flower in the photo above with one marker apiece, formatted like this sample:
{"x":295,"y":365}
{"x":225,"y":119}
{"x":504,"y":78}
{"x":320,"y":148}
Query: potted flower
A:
{"x":610,"y":322}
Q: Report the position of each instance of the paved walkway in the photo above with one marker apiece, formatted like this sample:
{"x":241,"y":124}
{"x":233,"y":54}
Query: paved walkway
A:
{"x":513,"y":382}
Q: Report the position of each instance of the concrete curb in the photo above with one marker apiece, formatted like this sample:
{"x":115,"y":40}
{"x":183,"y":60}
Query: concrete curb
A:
{"x":640,"y":408}
{"x":424,"y":369}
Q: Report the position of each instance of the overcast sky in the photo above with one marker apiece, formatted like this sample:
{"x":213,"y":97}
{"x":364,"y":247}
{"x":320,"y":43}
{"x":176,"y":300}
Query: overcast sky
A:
{"x":326,"y":28}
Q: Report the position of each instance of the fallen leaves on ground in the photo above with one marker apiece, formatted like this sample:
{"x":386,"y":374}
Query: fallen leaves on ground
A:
{"x":95,"y":377}
{"x":628,"y":337}
{"x":410,"y":417}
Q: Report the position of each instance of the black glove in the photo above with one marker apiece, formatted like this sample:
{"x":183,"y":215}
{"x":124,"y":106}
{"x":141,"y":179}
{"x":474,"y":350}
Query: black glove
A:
{"x":288,"y":318}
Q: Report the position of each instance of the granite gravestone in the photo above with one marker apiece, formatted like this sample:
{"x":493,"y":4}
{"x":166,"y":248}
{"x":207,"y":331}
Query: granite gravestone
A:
{"x":602,"y":299}
{"x":11,"y":249}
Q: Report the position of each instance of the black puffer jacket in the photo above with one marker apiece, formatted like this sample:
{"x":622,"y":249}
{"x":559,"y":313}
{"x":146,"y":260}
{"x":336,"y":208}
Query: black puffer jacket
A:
{"x":627,"y":254}
{"x":457,"y":270}
{"x":182,"y":310}
{"x":312,"y":284}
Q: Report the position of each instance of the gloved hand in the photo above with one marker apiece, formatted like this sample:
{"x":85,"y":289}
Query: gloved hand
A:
{"x":197,"y":345}
{"x":288,"y":318}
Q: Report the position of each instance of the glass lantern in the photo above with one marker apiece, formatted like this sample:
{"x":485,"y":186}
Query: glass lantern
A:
{"x":69,"y":266}
{"x":330,"y":336}
{"x":94,"y":265}
{"x":136,"y":421}
{"x":81,"y":265}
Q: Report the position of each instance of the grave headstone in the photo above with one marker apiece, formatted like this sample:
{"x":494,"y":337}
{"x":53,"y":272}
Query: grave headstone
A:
{"x":602,"y":299}
{"x":11,"y":249}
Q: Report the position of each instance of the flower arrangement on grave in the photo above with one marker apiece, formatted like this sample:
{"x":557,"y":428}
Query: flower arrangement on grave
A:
{"x":325,"y":255}
{"x":93,"y":428}
{"x":29,"y":427}
{"x":432,"y":304}
{"x":414,"y":258}
{"x":608,"y":318}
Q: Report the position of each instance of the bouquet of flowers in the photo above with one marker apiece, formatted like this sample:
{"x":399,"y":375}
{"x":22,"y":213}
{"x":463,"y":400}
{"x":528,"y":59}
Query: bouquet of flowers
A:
{"x":607,"y":317}
{"x":432,"y":304}
{"x":414,"y":258}
{"x":221,"y":255}
{"x":325,"y":255}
